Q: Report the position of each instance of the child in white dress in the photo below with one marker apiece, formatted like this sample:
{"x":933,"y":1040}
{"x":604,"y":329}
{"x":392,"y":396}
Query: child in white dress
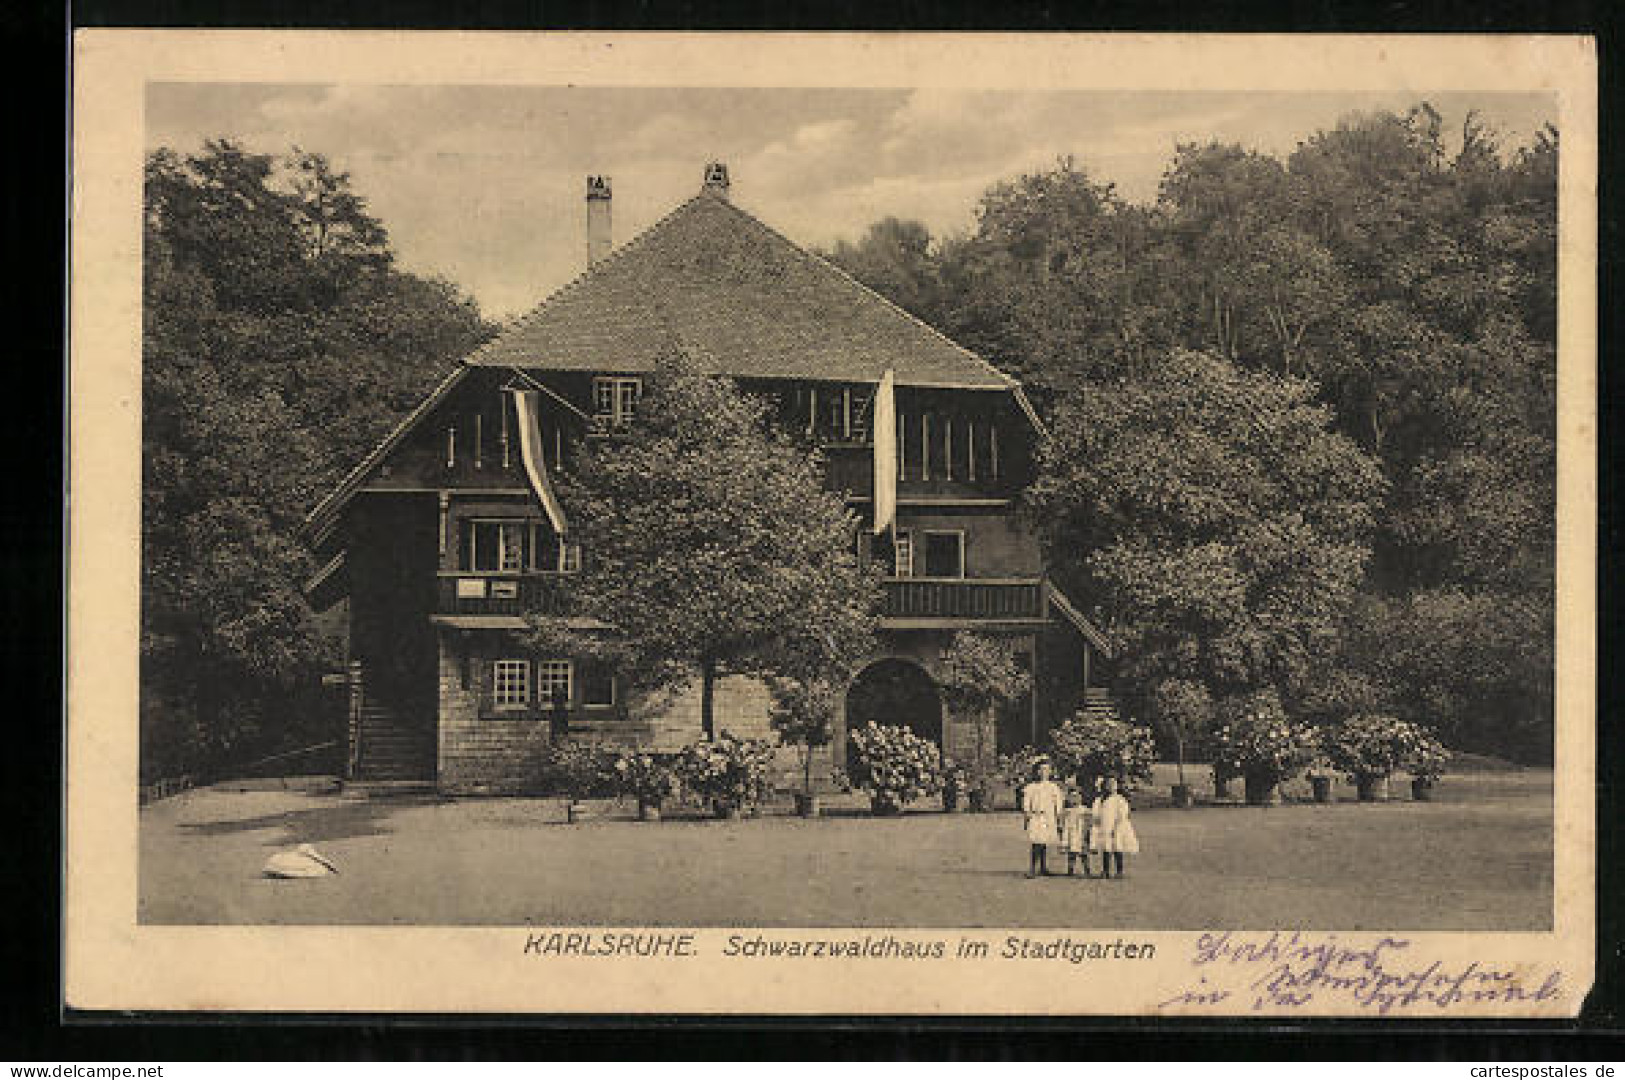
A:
{"x":1041,"y":817}
{"x":1075,"y":832}
{"x":1111,"y":832}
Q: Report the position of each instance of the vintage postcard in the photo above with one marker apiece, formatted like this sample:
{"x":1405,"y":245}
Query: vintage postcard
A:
{"x":832,"y":524}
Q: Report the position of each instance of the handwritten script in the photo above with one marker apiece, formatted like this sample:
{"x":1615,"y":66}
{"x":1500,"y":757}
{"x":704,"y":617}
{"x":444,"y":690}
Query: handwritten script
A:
{"x":1295,"y":971}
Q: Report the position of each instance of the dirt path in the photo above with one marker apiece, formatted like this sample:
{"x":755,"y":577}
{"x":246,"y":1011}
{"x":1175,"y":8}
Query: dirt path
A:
{"x":1479,"y":858}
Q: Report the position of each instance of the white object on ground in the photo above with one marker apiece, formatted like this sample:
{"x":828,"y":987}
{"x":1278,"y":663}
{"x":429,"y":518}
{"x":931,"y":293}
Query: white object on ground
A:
{"x":303,"y":861}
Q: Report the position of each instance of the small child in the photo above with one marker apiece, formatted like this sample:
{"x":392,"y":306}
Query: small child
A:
{"x":1111,"y":832}
{"x":1075,"y":832}
{"x":1040,"y":816}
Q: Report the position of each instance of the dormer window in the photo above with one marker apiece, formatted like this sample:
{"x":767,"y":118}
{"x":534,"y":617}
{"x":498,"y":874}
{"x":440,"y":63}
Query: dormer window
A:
{"x":615,"y":400}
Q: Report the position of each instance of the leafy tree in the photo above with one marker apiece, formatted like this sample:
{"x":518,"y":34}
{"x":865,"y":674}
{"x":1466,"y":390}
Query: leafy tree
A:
{"x":278,"y":345}
{"x":978,"y":674}
{"x":1414,"y":288}
{"x":1216,"y":521}
{"x":1184,"y":709}
{"x":711,"y":546}
{"x":895,"y":258}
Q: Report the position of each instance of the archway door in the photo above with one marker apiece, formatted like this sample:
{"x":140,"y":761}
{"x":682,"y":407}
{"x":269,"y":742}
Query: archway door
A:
{"x":898,"y":693}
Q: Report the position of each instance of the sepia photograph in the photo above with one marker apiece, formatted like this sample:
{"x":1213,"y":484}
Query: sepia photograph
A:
{"x":982,"y":523}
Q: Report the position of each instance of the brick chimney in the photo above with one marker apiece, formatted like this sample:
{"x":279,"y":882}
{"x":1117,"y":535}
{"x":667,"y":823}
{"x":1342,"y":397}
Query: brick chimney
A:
{"x":598,"y":241}
{"x":716,"y":179}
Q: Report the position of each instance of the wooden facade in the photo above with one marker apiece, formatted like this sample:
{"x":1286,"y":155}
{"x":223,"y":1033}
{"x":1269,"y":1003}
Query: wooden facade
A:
{"x":440,"y":545}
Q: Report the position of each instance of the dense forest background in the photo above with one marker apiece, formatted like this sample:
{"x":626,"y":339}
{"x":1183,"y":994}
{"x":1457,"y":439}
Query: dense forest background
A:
{"x":1343,"y":365}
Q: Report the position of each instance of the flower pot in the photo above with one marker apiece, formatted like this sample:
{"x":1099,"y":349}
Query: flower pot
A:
{"x":950,"y":800}
{"x":1182,"y":796}
{"x":1365,"y":788}
{"x":1221,"y":788}
{"x":1422,"y":790}
{"x":807,"y":805}
{"x":648,"y":810}
{"x":1262,"y":792}
{"x":883,"y":806}
{"x":1322,"y":787}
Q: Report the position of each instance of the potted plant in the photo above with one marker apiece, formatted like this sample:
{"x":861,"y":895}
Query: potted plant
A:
{"x":1320,"y":775}
{"x":648,"y":778}
{"x":1088,"y":748}
{"x":730,"y":773}
{"x":1370,"y":748}
{"x":578,"y":771}
{"x":1426,"y":762}
{"x":1264,"y":748}
{"x":801,"y":713}
{"x":978,"y":675}
{"x":1184,"y":709}
{"x":894,"y":765}
{"x":955,"y":786}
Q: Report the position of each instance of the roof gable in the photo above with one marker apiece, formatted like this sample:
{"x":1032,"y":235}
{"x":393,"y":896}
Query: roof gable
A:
{"x":714,"y":281}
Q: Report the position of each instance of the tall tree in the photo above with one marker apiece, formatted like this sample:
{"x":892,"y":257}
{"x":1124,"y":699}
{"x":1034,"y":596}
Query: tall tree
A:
{"x":278,"y":344}
{"x":1216,"y":522}
{"x":711,"y":546}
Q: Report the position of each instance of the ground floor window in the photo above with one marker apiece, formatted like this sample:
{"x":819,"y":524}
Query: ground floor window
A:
{"x":553,"y":681}
{"x":597,"y":684}
{"x":510,"y":684}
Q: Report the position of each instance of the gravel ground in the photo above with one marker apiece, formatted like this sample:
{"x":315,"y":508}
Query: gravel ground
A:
{"x":1477,"y":858}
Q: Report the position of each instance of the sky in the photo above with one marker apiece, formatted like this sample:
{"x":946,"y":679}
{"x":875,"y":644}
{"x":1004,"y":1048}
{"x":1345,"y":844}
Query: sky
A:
{"x":485,"y":185}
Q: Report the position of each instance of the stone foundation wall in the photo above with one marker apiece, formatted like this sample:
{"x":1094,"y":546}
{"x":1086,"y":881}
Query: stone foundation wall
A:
{"x":482,"y":752}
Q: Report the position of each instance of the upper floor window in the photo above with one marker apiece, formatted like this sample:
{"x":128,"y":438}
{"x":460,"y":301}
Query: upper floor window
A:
{"x":516,"y":545}
{"x":615,"y":399}
{"x":944,"y":554}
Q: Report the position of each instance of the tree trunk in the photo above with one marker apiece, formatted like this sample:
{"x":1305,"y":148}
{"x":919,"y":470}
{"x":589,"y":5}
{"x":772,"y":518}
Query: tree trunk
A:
{"x":708,"y":678}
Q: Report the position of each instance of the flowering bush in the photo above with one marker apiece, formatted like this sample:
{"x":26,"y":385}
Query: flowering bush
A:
{"x":1016,"y":769}
{"x":1085,"y":748}
{"x":1372,"y":747}
{"x":730,"y":772}
{"x":649,"y":778}
{"x":893,"y":764}
{"x":578,"y":770}
{"x":1262,"y":745}
{"x":1428,"y":757}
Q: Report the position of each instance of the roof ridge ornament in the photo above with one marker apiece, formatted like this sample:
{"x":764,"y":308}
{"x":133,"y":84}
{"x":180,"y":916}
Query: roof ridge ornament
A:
{"x":716,"y":179}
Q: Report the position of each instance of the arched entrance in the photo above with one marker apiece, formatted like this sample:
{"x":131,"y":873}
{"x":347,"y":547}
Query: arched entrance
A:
{"x":898,"y":693}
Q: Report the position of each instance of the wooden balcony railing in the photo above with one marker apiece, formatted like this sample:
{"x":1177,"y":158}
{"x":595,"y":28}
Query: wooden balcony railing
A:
{"x":905,"y":598}
{"x":963,"y":598}
{"x":475,"y":593}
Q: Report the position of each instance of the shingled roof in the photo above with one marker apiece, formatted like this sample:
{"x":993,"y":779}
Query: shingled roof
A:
{"x":714,"y":281}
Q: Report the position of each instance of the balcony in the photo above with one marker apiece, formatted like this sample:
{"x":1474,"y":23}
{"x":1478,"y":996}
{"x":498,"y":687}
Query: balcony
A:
{"x":919,"y":600}
{"x":469,"y":593}
{"x":915,"y":601}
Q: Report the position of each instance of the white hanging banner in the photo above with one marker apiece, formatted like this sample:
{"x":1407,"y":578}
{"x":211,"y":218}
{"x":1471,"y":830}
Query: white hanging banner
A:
{"x":885,"y":439}
{"x":530,"y":454}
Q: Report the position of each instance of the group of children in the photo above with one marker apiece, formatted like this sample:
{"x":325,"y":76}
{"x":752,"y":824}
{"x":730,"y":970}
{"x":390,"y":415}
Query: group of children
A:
{"x":1102,"y":826}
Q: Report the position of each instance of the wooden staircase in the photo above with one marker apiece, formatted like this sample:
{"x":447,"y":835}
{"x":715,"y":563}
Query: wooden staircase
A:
{"x":383,"y":746}
{"x":391,"y":749}
{"x":1098,"y":704}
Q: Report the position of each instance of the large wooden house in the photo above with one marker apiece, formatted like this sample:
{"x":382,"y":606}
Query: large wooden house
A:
{"x":443,"y":535}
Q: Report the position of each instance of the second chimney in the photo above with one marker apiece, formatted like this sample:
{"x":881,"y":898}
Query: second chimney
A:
{"x":598,"y":240}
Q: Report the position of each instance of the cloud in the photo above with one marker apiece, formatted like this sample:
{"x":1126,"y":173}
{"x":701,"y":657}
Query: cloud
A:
{"x":483,"y":185}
